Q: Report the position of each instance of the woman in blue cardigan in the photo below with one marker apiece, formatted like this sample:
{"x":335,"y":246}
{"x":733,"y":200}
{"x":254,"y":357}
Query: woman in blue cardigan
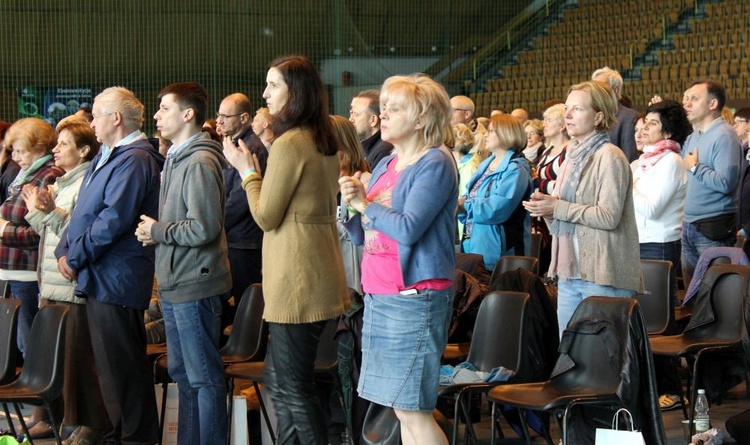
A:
{"x":495,"y":222}
{"x":406,"y":220}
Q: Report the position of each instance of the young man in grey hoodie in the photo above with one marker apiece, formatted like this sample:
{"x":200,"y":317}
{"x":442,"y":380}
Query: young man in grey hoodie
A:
{"x":192,"y":268}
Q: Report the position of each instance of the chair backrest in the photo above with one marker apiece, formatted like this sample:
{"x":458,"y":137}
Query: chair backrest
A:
{"x":249,"y":336}
{"x":327,"y":356}
{"x":657,"y":303}
{"x":593,"y":346}
{"x":498,"y":333}
{"x":508,"y":263}
{"x":536,"y":245}
{"x":8,"y":322}
{"x":727,"y":303}
{"x":43,"y":367}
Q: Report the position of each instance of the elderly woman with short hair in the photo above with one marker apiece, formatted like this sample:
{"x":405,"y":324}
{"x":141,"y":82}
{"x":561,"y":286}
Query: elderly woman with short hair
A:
{"x":31,"y":140}
{"x":49,"y":214}
{"x":595,"y":237}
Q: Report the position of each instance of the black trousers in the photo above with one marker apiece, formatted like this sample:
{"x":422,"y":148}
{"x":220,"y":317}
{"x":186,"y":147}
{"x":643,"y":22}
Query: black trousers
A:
{"x":290,"y":376}
{"x":245,"y":265}
{"x":118,"y":338}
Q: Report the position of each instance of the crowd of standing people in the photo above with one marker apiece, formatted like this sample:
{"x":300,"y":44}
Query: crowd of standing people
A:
{"x":310,"y":204}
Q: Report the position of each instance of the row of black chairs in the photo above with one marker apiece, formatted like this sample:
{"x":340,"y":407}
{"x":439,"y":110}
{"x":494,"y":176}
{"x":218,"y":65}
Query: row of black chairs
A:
{"x":244,"y":353}
{"x":41,"y":378}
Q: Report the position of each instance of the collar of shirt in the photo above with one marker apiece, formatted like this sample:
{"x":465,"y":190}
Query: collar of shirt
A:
{"x":174,"y":150}
{"x":713,"y":123}
{"x":106,"y":150}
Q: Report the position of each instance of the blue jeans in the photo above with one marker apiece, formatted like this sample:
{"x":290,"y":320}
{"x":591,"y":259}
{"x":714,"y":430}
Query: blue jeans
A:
{"x":570,"y":293}
{"x":195,"y":364}
{"x":693,"y":245}
{"x":670,"y":251}
{"x":28,"y":293}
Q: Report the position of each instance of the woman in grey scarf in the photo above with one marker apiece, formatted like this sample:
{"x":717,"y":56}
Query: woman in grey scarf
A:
{"x":591,"y":216}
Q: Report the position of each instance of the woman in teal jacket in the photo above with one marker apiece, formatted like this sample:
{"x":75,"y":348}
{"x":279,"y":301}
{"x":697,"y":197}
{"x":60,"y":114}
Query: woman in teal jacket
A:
{"x":495,"y":222}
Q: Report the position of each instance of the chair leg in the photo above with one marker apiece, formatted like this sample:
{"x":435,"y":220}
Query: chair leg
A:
{"x":23,"y":423}
{"x":11,"y":427}
{"x":230,"y":409}
{"x":163,"y":416}
{"x":55,"y":426}
{"x":492,"y":423}
{"x":526,"y":433}
{"x":264,"y":412}
{"x":454,"y":438}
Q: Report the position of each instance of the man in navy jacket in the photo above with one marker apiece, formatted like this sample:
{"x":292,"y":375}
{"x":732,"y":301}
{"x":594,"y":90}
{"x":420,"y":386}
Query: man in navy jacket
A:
{"x":115,"y":271}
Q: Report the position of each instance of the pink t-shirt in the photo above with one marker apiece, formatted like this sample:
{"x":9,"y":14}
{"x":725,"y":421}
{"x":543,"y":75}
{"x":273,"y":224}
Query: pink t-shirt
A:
{"x":381,"y":270}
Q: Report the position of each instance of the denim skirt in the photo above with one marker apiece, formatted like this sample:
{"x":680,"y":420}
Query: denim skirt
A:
{"x":403,"y":338}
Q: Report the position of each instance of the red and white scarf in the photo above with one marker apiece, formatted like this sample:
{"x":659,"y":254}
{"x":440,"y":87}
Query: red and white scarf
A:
{"x":653,"y":153}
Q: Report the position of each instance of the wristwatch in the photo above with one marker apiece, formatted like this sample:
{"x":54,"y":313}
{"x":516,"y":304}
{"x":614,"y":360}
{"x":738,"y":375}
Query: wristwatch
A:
{"x":694,"y":168}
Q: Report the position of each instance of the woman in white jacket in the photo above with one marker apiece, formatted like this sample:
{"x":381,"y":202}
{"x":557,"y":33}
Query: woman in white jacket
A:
{"x":659,"y":183}
{"x":49,"y":213}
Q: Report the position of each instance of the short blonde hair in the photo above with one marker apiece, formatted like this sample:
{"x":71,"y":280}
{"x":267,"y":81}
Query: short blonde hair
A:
{"x":602,"y":100}
{"x":535,"y":125}
{"x":423,"y":99}
{"x":556,"y":112}
{"x":464,"y":138}
{"x":509,"y":132}
{"x":36,"y":133}
{"x":123,"y":101}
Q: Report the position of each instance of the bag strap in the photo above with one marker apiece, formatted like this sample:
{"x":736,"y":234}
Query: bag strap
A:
{"x":616,"y":419}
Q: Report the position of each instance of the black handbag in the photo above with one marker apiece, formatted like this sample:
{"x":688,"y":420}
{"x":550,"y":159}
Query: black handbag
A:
{"x":717,"y":228}
{"x":381,"y":426}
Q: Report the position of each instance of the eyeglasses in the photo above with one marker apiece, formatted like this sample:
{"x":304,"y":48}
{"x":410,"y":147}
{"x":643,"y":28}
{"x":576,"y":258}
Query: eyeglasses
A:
{"x":460,"y":109}
{"x":226,"y":116}
{"x":739,"y":120}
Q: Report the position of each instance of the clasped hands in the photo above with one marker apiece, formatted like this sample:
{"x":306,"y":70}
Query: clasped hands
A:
{"x":36,"y":198}
{"x":239,"y":156}
{"x":541,"y":205}
{"x":353,"y":192}
{"x":143,"y":231}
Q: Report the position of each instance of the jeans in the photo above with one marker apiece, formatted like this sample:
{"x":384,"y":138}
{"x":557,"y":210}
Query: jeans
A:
{"x":28,"y":293}
{"x":571,"y":292}
{"x":195,"y":364}
{"x":693,"y":245}
{"x":670,"y":251}
{"x":290,"y":376}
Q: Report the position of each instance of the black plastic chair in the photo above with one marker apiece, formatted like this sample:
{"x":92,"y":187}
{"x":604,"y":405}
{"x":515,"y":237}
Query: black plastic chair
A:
{"x":497,"y":341}
{"x":509,"y":263}
{"x":41,"y":378}
{"x":326,"y":368}
{"x":247,"y":342}
{"x":536,"y":245}
{"x":8,"y":325}
{"x":582,"y":376}
{"x":657,"y":304}
{"x":724,"y":333}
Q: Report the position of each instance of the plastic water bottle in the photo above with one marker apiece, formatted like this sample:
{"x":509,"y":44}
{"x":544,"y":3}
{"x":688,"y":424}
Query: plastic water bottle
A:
{"x":702,"y":422}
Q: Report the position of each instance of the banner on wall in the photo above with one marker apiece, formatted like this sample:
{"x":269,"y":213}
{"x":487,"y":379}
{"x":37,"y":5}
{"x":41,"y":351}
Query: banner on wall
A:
{"x":52,"y":103}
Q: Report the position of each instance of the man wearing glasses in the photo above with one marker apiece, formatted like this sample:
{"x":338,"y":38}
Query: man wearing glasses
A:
{"x":463,"y":111}
{"x":244,"y":237}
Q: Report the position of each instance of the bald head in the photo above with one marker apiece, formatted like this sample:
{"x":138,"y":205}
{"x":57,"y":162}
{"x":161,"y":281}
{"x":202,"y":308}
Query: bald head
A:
{"x":520,"y":114}
{"x":235,"y":115}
